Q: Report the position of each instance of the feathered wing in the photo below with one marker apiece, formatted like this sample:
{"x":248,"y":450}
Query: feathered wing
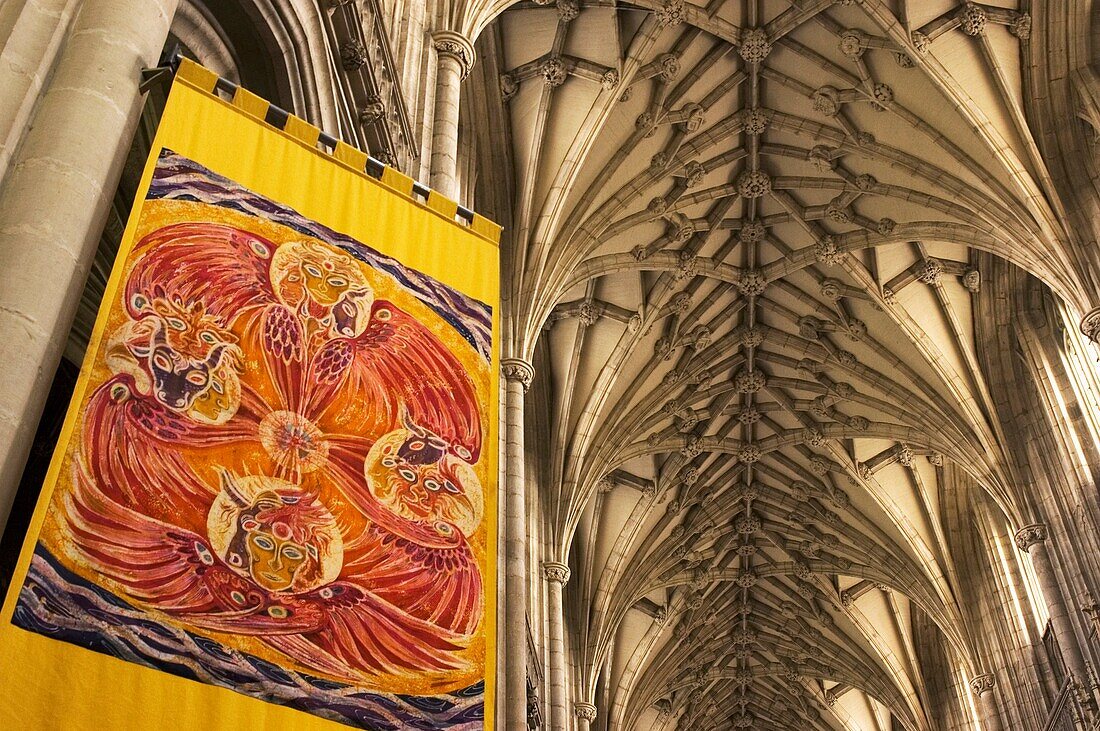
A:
{"x":157,"y":563}
{"x":229,"y":271}
{"x":408,"y":597}
{"x":362,"y":634}
{"x":438,"y":584}
{"x":169,"y":568}
{"x":278,"y":334}
{"x":224,"y":267}
{"x":399,"y":365}
{"x":341,"y":629}
{"x":401,"y":368}
{"x":430,"y":572}
{"x":173,"y":570}
{"x":130,"y":445}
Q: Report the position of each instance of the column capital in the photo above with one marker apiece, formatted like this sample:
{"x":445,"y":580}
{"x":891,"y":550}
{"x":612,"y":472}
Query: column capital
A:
{"x":1029,"y":535}
{"x":1090,"y":325}
{"x":584,"y":711}
{"x":516,"y":369}
{"x":982,"y":684}
{"x":452,"y":43}
{"x":555,"y":572}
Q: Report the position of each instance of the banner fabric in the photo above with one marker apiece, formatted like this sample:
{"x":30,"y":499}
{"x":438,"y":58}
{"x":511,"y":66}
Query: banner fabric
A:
{"x":273,"y":502}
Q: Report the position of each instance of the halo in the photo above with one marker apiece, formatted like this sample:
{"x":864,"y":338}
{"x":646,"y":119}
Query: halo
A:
{"x":240,"y":492}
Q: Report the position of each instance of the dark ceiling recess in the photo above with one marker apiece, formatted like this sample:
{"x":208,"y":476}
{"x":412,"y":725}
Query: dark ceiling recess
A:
{"x":254,"y":48}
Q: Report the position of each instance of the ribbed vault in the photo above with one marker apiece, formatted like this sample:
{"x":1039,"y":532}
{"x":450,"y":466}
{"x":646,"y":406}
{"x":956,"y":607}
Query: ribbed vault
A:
{"x":744,"y":252}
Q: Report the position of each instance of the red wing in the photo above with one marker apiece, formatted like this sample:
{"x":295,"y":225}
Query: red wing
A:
{"x":282,"y":343}
{"x":158,"y":563}
{"x":401,"y":364}
{"x":340,"y":629}
{"x":224,"y":267}
{"x":439,"y":585}
{"x":434,"y":576}
{"x":328,"y":372}
{"x":131,"y":445}
{"x":365,"y":635}
{"x":174,"y":570}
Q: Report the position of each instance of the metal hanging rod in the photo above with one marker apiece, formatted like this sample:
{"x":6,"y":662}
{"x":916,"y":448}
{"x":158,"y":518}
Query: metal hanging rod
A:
{"x":276,"y":116}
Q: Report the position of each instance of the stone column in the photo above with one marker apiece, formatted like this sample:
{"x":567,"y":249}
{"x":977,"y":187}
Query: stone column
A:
{"x":983,"y":686}
{"x":28,"y":49}
{"x":55,"y":201}
{"x":517,"y":376}
{"x":585,"y":713}
{"x":455,"y":56}
{"x":557,"y":574}
{"x":1031,"y":539}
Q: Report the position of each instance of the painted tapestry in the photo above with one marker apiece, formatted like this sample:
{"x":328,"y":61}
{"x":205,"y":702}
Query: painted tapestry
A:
{"x":276,"y":481}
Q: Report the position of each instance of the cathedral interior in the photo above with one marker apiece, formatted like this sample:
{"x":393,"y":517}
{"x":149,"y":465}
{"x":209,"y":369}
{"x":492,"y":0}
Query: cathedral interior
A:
{"x":800,"y":402}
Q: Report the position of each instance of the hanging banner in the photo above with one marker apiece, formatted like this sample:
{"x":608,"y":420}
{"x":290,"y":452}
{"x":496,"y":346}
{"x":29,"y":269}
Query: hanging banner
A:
{"x":273,"y":501}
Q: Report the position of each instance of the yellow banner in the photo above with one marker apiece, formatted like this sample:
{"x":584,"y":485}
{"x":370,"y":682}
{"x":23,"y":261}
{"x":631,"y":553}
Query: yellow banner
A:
{"x":273,"y":501}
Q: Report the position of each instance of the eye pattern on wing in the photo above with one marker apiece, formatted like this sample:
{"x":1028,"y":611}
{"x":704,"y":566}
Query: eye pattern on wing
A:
{"x":224,"y":266}
{"x":417,"y":374}
{"x":177,"y":572}
{"x":362,"y":629}
{"x":443,"y":561}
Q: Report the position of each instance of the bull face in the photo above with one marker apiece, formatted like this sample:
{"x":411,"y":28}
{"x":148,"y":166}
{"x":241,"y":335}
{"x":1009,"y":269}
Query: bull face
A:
{"x":177,"y":379}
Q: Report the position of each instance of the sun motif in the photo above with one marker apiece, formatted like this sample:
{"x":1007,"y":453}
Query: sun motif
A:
{"x":293,"y":441}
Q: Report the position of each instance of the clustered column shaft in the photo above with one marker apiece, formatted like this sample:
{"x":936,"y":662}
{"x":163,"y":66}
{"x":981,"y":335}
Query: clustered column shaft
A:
{"x":456,"y":55}
{"x":983,"y":687}
{"x":557,"y":575}
{"x":1032,"y":540}
{"x":27,"y":55}
{"x":517,"y":375}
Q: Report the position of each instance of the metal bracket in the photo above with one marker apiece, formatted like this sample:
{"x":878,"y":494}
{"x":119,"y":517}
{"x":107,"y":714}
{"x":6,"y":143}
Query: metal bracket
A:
{"x":164,"y":70}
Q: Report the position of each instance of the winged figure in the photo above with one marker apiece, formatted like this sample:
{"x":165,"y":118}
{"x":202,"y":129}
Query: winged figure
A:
{"x":281,"y":454}
{"x":269,"y":564}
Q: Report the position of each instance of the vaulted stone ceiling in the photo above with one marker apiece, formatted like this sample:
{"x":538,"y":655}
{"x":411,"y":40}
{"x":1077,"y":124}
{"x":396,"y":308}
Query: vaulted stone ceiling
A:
{"x":745,"y":253}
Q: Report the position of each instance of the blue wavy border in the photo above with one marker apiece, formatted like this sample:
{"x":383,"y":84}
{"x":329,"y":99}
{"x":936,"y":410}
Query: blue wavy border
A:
{"x":59,"y":604}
